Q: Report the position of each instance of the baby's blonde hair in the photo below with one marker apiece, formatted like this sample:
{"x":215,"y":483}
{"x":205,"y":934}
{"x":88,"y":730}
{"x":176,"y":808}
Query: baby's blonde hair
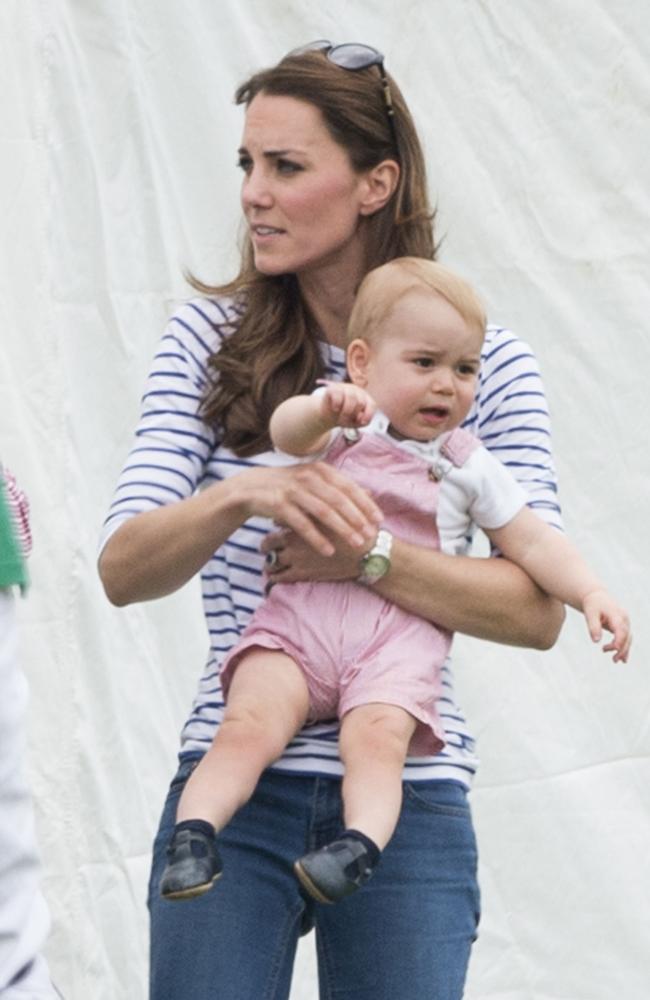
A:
{"x":383,"y":287}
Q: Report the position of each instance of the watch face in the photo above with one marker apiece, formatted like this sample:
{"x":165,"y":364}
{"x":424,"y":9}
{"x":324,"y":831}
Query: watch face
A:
{"x":376,"y":566}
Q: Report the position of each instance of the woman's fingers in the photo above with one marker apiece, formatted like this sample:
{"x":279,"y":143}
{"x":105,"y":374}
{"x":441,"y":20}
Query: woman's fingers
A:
{"x":293,"y":559}
{"x":304,"y":525}
{"x":314,"y":500}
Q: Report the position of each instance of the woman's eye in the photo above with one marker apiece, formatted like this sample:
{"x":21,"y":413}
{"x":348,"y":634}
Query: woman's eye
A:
{"x":244,"y":163}
{"x":287,"y":167}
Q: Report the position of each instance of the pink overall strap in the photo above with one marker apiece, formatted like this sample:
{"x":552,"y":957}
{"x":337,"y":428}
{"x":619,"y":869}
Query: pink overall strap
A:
{"x":459,"y":446}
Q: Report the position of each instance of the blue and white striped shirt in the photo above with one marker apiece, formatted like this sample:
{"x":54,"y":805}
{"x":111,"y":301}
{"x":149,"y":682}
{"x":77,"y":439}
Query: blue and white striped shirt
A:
{"x":175,"y":454}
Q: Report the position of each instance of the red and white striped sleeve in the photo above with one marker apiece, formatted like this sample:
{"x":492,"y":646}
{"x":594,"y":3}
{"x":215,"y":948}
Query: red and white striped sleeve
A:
{"x":18,"y":506}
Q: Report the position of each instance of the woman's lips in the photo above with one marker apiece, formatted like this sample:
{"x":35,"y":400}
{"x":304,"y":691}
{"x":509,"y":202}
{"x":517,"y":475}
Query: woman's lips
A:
{"x":263,"y":232}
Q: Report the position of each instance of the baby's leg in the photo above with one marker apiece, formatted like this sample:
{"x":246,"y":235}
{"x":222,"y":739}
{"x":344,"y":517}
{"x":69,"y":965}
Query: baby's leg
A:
{"x":268,"y":703}
{"x":374,"y":742}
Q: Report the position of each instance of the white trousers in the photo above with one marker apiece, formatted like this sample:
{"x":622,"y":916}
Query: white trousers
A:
{"x":24,"y":918}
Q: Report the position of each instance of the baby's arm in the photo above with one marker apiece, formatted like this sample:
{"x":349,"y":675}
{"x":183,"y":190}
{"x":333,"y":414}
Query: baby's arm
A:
{"x":301,"y":425}
{"x":555,"y":564}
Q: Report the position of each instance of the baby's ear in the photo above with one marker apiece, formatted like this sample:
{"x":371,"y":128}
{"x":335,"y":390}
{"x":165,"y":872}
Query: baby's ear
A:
{"x":358,"y":355}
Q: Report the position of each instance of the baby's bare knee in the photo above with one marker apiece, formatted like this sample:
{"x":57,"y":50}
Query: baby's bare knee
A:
{"x":243,"y":725}
{"x":379,"y":730}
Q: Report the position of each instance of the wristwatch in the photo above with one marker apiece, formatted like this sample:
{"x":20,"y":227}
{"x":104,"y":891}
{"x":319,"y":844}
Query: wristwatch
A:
{"x":376,"y":562}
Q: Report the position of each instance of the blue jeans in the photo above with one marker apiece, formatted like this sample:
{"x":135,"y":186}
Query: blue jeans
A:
{"x":406,"y":935}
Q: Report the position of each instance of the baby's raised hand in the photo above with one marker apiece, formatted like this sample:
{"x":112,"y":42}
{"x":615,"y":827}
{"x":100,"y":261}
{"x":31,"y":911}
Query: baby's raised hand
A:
{"x":347,"y":405}
{"x":601,"y":610}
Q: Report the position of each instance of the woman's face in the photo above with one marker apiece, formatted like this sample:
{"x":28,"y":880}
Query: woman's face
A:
{"x":300,"y":195}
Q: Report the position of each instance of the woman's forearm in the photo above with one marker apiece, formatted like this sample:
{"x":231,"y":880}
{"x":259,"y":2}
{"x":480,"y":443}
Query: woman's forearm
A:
{"x":156,"y":552}
{"x":484,"y":597}
{"x":487,"y":598}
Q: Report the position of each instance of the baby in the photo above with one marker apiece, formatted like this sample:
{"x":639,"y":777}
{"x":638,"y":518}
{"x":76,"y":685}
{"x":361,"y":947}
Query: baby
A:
{"x":325,"y":649}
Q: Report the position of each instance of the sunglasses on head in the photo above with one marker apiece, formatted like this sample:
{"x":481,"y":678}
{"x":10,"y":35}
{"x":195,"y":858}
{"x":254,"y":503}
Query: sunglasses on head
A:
{"x":355,"y":56}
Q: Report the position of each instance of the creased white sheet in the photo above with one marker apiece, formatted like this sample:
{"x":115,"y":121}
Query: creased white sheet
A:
{"x":118,"y":142}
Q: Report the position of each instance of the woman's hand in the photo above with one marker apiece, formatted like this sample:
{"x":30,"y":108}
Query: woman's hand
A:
{"x":289,"y":558}
{"x":158,"y":551}
{"x":315,"y":501}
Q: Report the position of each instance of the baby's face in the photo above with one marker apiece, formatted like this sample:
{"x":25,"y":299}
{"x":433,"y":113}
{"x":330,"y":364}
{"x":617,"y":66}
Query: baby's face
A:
{"x":423,"y":366}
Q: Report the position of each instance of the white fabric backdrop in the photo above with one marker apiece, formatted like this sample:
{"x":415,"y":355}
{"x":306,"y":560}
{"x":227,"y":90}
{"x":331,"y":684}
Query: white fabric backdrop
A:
{"x":117,"y":151}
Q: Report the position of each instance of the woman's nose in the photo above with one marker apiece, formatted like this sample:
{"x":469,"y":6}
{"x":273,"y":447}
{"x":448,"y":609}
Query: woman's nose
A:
{"x":256,"y":191}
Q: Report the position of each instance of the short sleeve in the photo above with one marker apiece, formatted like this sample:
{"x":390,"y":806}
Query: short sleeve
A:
{"x":510,"y":417}
{"x":172,"y":444}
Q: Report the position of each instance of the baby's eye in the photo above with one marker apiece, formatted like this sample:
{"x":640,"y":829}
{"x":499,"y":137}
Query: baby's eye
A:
{"x":423,"y":362}
{"x":467,"y":369}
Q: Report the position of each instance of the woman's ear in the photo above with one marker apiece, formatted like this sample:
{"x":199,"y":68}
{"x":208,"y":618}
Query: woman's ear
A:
{"x":380,"y":184}
{"x":358,"y":355}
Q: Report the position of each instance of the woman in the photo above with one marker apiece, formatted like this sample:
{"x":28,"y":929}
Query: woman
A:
{"x":334,"y":183}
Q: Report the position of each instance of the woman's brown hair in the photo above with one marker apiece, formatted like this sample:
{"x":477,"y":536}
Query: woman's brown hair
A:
{"x":274,"y":351}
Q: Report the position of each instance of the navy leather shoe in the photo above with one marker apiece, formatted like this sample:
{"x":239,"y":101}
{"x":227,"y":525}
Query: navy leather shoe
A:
{"x":334,"y":871}
{"x":193,"y":864}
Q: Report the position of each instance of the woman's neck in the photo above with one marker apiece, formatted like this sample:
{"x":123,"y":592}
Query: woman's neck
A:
{"x":329,"y":299}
